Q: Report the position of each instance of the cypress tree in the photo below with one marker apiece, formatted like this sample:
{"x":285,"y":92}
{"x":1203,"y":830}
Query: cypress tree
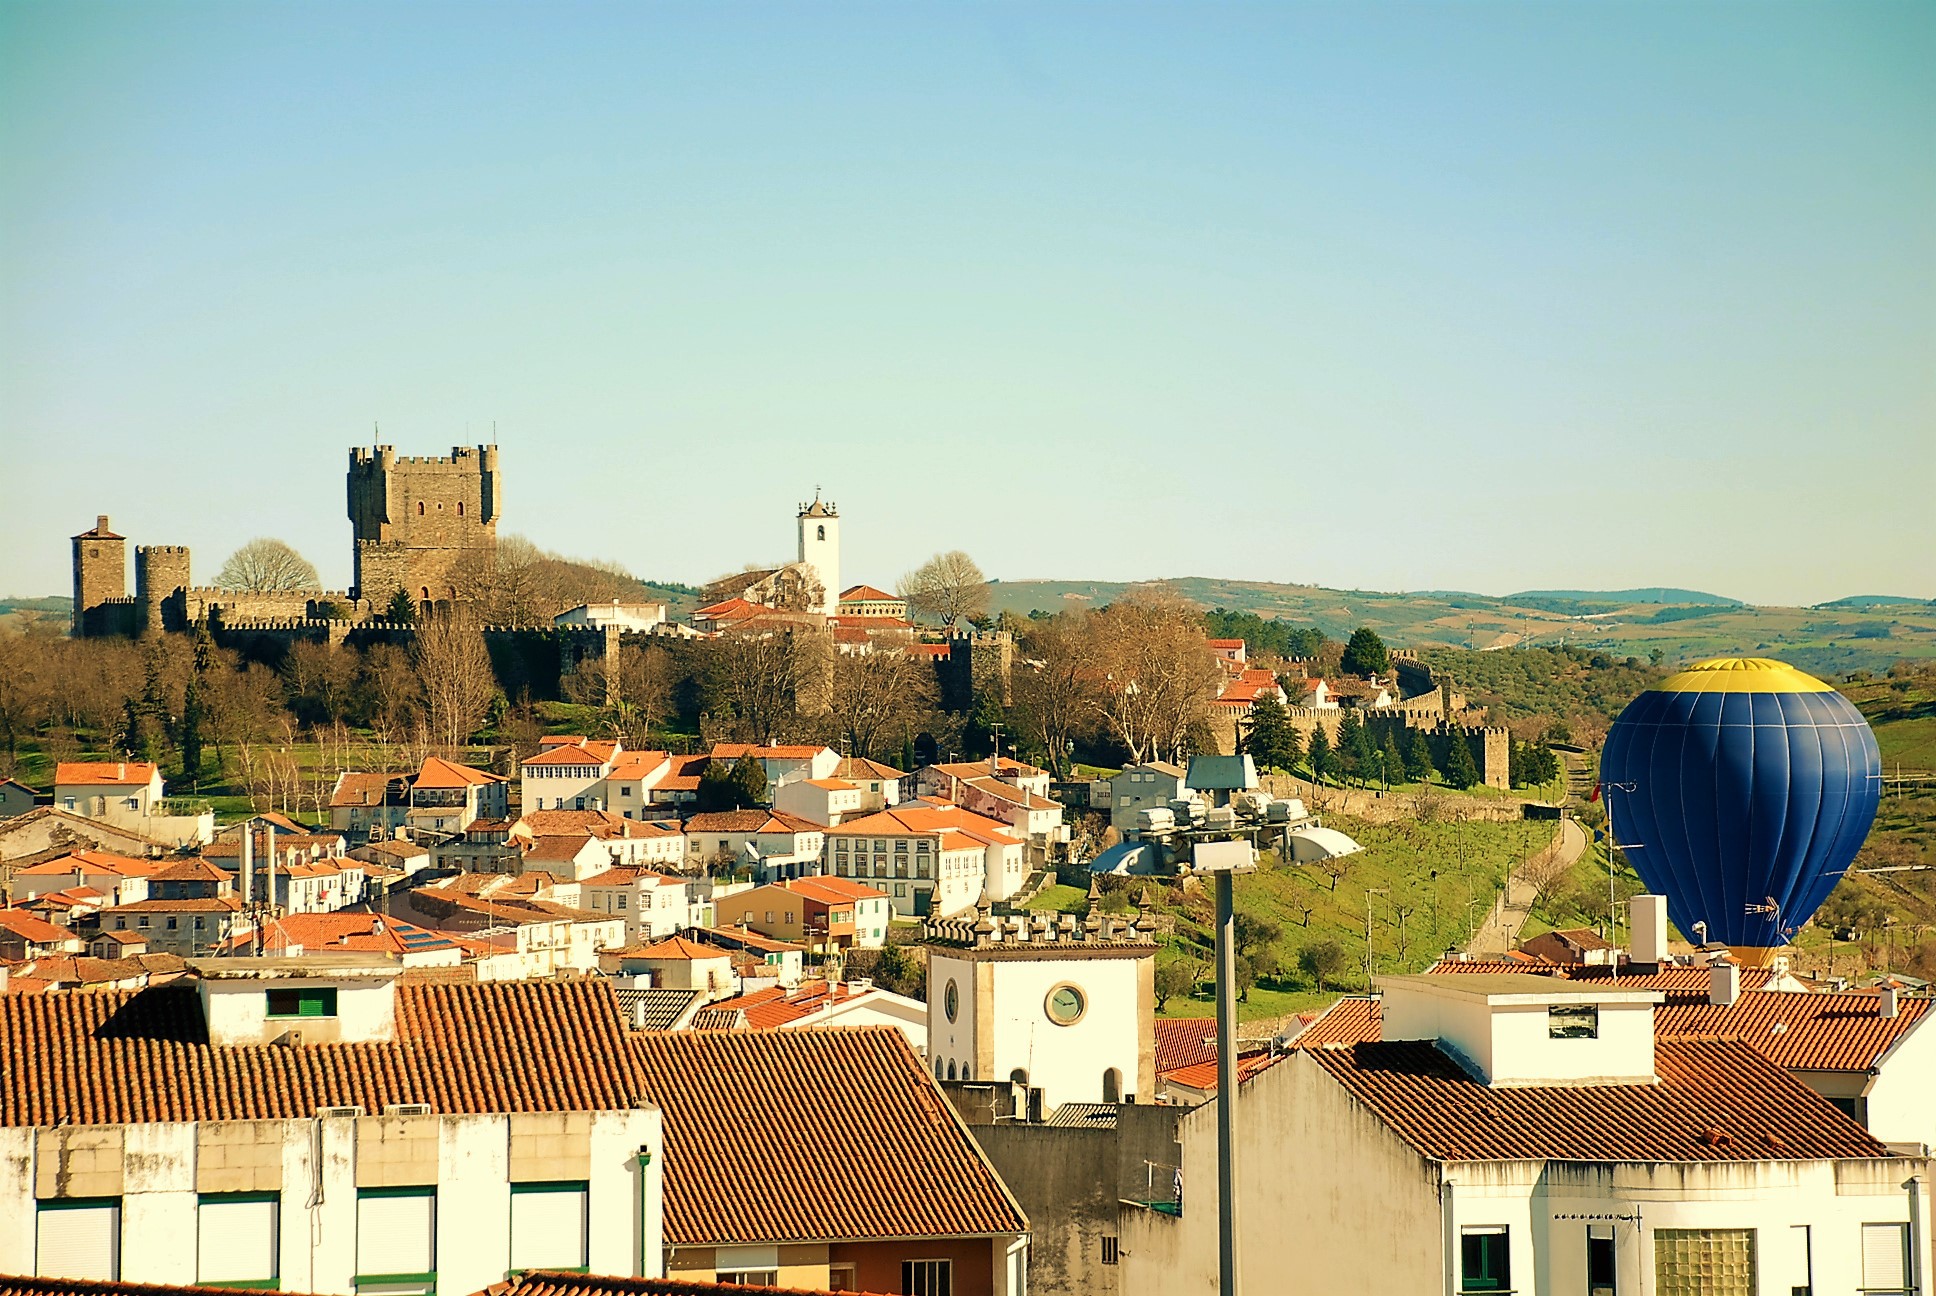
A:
{"x":1319,"y":755}
{"x":1418,"y":758}
{"x":1460,"y":770}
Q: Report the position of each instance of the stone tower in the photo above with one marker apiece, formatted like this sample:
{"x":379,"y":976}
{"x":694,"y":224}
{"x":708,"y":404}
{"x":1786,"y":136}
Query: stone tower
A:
{"x":415,"y":519}
{"x":160,"y":588}
{"x":100,"y":577}
{"x":820,"y":549}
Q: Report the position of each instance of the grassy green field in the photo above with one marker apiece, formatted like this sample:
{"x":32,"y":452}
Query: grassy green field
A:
{"x":1429,"y":883}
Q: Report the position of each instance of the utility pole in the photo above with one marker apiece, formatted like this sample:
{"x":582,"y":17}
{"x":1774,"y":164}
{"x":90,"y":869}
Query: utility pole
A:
{"x":1369,"y":893}
{"x":1226,"y":859}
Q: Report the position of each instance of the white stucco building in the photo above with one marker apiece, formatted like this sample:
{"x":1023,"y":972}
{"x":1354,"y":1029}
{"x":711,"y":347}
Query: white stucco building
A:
{"x":411,"y":1141}
{"x":1515,"y":1133}
{"x":1043,"y":1004}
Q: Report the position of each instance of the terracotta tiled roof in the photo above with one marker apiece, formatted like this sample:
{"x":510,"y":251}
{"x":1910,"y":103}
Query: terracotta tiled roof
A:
{"x":114,"y":1057}
{"x":1009,"y":792}
{"x":572,"y":1284}
{"x":1354,"y":1019}
{"x":350,"y":931}
{"x":1202,"y":1076}
{"x":637,"y":765}
{"x":440,"y":773}
{"x":1679,"y":984}
{"x":357,"y":788}
{"x":833,"y":890}
{"x":745,"y":938}
{"x":21,"y":1286}
{"x":103,"y":773}
{"x":557,"y":850}
{"x":32,"y":927}
{"x":924,"y":818}
{"x":684,"y":776}
{"x":775,"y":1006}
{"x":747,"y":821}
{"x":92,"y":861}
{"x":1801,"y":1032}
{"x":976,"y":769}
{"x":832,"y":785}
{"x":677,"y":947}
{"x":1717,"y":1100}
{"x":199,"y":904}
{"x":573,"y":754}
{"x":859,"y":767}
{"x":733,"y":751}
{"x":190,"y":870}
{"x":1184,"y":1041}
{"x":750,"y":1115}
{"x":867,"y":594}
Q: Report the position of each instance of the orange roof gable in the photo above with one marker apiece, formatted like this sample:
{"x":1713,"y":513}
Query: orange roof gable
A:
{"x":104,"y":773}
{"x":440,"y":773}
{"x":867,"y":594}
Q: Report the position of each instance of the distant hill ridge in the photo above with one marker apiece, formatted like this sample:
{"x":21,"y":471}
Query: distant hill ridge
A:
{"x":1651,"y":594}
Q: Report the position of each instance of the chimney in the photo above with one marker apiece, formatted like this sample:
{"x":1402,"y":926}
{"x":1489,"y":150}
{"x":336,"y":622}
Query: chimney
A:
{"x":1886,"y":1000}
{"x":1723,"y":982}
{"x":100,"y":522}
{"x":1647,"y":916}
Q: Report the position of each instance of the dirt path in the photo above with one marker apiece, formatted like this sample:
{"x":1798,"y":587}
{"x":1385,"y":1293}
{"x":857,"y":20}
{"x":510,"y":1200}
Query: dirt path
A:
{"x":1496,"y":935}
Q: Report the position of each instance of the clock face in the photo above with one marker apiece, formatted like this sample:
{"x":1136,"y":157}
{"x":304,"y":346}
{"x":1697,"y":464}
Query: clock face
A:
{"x":951,"y":1000}
{"x":1066,"y":1005}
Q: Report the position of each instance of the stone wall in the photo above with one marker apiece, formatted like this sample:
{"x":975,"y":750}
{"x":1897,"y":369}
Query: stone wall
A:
{"x":414,"y":518}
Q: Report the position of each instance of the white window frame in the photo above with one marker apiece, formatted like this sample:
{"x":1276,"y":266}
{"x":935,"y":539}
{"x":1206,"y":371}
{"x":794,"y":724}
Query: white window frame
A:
{"x":66,"y":1216}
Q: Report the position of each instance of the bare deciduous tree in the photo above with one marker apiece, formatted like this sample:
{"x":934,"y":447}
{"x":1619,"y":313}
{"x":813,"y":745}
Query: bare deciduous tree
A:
{"x":266,"y":564}
{"x":752,"y":685}
{"x":948,"y":587}
{"x":1154,"y":671}
{"x":454,"y":670}
{"x":876,"y":696}
{"x":1055,"y":687}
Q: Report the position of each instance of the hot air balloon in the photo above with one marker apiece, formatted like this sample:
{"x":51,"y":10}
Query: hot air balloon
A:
{"x":1740,"y":789}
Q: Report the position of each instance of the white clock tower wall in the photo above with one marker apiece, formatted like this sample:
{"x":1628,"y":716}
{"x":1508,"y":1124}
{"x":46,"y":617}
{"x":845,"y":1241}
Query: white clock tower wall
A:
{"x":1096,"y":1036}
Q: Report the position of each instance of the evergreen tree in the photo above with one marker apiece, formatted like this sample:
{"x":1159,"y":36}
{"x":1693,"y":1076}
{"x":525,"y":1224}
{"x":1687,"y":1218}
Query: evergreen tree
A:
{"x":1460,"y":770}
{"x":194,"y":716}
{"x":1272,"y":742}
{"x":1418,"y":758}
{"x":1364,"y":752}
{"x":1351,"y":745}
{"x":402,"y":609}
{"x":1394,"y":760}
{"x":749,"y":781}
{"x":716,"y":790}
{"x":1319,"y":756}
{"x":1365,"y":654}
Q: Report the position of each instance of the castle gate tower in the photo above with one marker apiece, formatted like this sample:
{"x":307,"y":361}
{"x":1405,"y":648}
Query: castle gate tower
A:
{"x":100,"y":575}
{"x":418,"y":521}
{"x":820,"y":549}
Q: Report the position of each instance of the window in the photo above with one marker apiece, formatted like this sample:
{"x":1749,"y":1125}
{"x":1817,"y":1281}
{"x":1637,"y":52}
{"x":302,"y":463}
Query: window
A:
{"x":317,"y":1002}
{"x":1806,"y":1250}
{"x":1112,"y":1085}
{"x":420,"y":508}
{"x":236,"y":1237}
{"x":396,"y":1239}
{"x":1704,"y":1262}
{"x":1885,"y":1258}
{"x":78,"y":1237}
{"x":1599,"y":1260}
{"x":751,"y":1277}
{"x":927,"y":1278}
{"x":460,"y":508}
{"x":820,"y":533}
{"x":548,"y":1223}
{"x":843,"y":1277}
{"x":1573,"y":1021}
{"x":1485,"y":1259}
{"x":1111,"y":1249}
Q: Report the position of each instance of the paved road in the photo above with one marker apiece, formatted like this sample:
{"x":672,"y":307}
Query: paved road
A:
{"x":1496,"y":935}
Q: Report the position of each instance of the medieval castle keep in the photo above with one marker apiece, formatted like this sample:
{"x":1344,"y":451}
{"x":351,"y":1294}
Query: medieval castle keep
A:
{"x":414,"y":522}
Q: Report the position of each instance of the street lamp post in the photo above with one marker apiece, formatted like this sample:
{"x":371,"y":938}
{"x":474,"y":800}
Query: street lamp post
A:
{"x":1226,"y":859}
{"x":1369,"y":893}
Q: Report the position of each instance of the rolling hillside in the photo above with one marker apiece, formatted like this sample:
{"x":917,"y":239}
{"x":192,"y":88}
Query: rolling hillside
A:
{"x":1828,"y":640}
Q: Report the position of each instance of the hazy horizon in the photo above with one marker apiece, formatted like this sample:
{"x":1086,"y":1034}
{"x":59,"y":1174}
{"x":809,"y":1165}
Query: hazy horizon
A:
{"x":1488,"y":297}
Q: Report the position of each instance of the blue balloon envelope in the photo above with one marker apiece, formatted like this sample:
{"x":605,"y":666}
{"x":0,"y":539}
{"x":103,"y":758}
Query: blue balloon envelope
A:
{"x":1740,"y":789}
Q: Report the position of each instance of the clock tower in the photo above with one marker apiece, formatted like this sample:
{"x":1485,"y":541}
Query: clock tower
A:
{"x":1044,"y":1002}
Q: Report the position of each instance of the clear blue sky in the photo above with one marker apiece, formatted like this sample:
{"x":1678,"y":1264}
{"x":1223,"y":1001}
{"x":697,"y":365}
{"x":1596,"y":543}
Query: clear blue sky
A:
{"x":1483,"y":296}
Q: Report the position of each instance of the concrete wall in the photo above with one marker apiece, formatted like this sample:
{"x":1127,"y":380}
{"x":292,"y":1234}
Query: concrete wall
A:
{"x":316,"y":1167}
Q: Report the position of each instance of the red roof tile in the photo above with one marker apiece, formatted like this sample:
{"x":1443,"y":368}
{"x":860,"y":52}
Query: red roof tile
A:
{"x":751,"y":1115}
{"x":1354,"y":1019}
{"x":1184,"y":1041}
{"x":1801,"y":1032}
{"x":440,"y":773}
{"x":103,"y":773}
{"x":1202,"y":1076}
{"x":1717,"y":1100}
{"x":114,"y":1057}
